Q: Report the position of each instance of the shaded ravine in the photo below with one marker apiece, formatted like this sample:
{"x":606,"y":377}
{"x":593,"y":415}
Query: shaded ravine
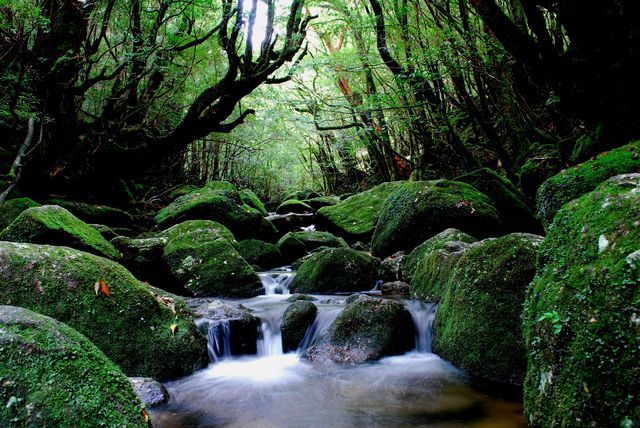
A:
{"x":277,"y":389}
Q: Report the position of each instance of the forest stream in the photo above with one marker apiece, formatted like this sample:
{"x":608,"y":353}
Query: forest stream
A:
{"x":274,"y":388}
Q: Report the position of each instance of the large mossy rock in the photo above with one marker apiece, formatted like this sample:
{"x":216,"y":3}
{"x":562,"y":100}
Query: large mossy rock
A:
{"x":96,"y":214}
{"x":218,"y":201}
{"x":207,"y":265}
{"x":478,"y":326}
{"x":193,"y":225}
{"x":296,"y":320}
{"x":515,"y":213}
{"x":54,"y":225}
{"x":583,"y":178}
{"x":141,"y":331}
{"x":322,"y":201}
{"x":144,"y":259}
{"x":582,"y":322}
{"x":294,"y":206}
{"x":295,"y":245}
{"x":12,"y":208}
{"x":300,"y":195}
{"x":410,"y":261}
{"x":418,"y":210}
{"x":355,"y":218}
{"x":367,"y":330}
{"x":336,"y":270}
{"x":251,"y":199}
{"x":259,"y":253}
{"x":52,"y":376}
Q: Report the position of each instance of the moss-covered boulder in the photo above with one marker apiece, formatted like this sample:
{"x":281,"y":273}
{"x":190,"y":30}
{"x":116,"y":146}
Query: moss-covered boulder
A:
{"x":51,"y":224}
{"x":300,"y":194}
{"x":418,"y":210}
{"x":294,"y":245}
{"x":207,"y":265}
{"x":355,"y":218}
{"x":291,"y":222}
{"x":336,"y":270}
{"x":536,"y":171}
{"x":367,"y":330}
{"x":582,"y":322}
{"x":91,"y":213}
{"x":144,"y":259}
{"x":478,"y":326}
{"x":144,"y":333}
{"x":251,"y":199}
{"x":397,"y":288}
{"x":106,"y":232}
{"x":297,"y":318}
{"x":218,"y":202}
{"x":585,"y":177}
{"x":52,"y":376}
{"x":322,"y":201}
{"x":259,"y":253}
{"x":192,"y":225}
{"x":294,"y":206}
{"x":515,"y":213}
{"x":12,"y":208}
{"x":411,"y":260}
{"x":433,"y":271}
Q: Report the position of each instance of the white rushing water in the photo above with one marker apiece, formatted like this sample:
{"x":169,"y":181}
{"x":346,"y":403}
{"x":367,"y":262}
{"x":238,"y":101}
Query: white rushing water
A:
{"x":277,"y":281}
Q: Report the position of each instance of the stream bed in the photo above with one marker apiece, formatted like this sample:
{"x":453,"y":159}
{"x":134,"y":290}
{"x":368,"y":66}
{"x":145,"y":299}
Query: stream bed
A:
{"x":277,"y":389}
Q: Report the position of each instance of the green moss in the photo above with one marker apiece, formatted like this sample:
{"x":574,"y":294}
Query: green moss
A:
{"x":259,"y":253}
{"x":52,"y":376}
{"x":536,"y":171}
{"x":583,"y":178}
{"x":478,"y":323}
{"x":193,"y":225}
{"x":106,"y":232}
{"x":218,"y":201}
{"x":300,"y":194}
{"x":322,"y":201}
{"x":51,"y":224}
{"x":336,"y":270}
{"x":297,"y":318}
{"x":356,"y":217}
{"x":410,"y":262}
{"x":91,"y":213}
{"x":208,"y":265}
{"x":434,"y":270}
{"x":581,"y":314}
{"x":132,"y":326}
{"x":294,"y":245}
{"x":185,"y":189}
{"x":368,"y":329}
{"x":293,"y":206}
{"x":144,"y":259}
{"x":515,"y":214}
{"x":251,"y":199}
{"x":418,"y":210}
{"x":12,"y":208}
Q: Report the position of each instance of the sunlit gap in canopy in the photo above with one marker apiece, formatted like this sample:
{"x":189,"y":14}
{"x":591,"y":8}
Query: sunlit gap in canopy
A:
{"x":261,"y":22}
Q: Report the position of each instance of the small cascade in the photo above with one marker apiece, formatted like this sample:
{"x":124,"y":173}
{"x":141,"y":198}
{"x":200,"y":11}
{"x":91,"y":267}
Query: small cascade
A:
{"x":270,"y":337}
{"x":218,"y":339}
{"x":277,"y":281}
{"x":323,"y":321}
{"x":423,"y":315}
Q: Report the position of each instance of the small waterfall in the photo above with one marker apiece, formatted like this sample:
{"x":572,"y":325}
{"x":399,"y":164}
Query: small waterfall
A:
{"x":218,"y":339}
{"x":276,"y":282}
{"x":270,"y":337}
{"x":323,"y":321}
{"x":423,"y":315}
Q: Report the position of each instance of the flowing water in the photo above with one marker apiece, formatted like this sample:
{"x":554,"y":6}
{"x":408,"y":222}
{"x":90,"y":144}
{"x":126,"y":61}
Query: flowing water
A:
{"x":277,"y":389}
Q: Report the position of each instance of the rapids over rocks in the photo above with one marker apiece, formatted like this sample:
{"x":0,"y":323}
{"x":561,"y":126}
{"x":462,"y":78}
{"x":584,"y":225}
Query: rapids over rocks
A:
{"x":278,"y":389}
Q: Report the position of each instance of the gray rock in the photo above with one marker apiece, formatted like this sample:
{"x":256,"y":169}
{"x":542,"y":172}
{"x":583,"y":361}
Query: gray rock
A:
{"x":151,"y":392}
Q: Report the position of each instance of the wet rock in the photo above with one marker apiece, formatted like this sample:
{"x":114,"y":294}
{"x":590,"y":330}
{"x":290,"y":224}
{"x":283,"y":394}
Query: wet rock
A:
{"x":297,"y":318}
{"x":291,"y":222}
{"x":144,"y":332}
{"x":367,"y":330}
{"x":418,"y":210}
{"x":260,"y":253}
{"x":581,"y":318}
{"x":390,"y":266}
{"x":52,"y":376}
{"x":151,"y":392}
{"x":294,"y":206}
{"x":106,"y":232}
{"x":297,"y":296}
{"x":395,"y":287}
{"x":144,"y":259}
{"x":322,"y":201}
{"x":54,"y":225}
{"x":357,"y":297}
{"x":295,"y":245}
{"x":336,"y":270}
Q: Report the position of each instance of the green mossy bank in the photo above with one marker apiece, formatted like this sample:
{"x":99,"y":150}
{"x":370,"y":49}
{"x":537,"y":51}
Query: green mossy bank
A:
{"x":132,"y":325}
{"x":52,"y":376}
{"x":12,"y":208}
{"x":54,"y":225}
{"x":582,"y":322}
{"x":585,"y":177}
{"x":418,"y":210}
{"x":478,"y":326}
